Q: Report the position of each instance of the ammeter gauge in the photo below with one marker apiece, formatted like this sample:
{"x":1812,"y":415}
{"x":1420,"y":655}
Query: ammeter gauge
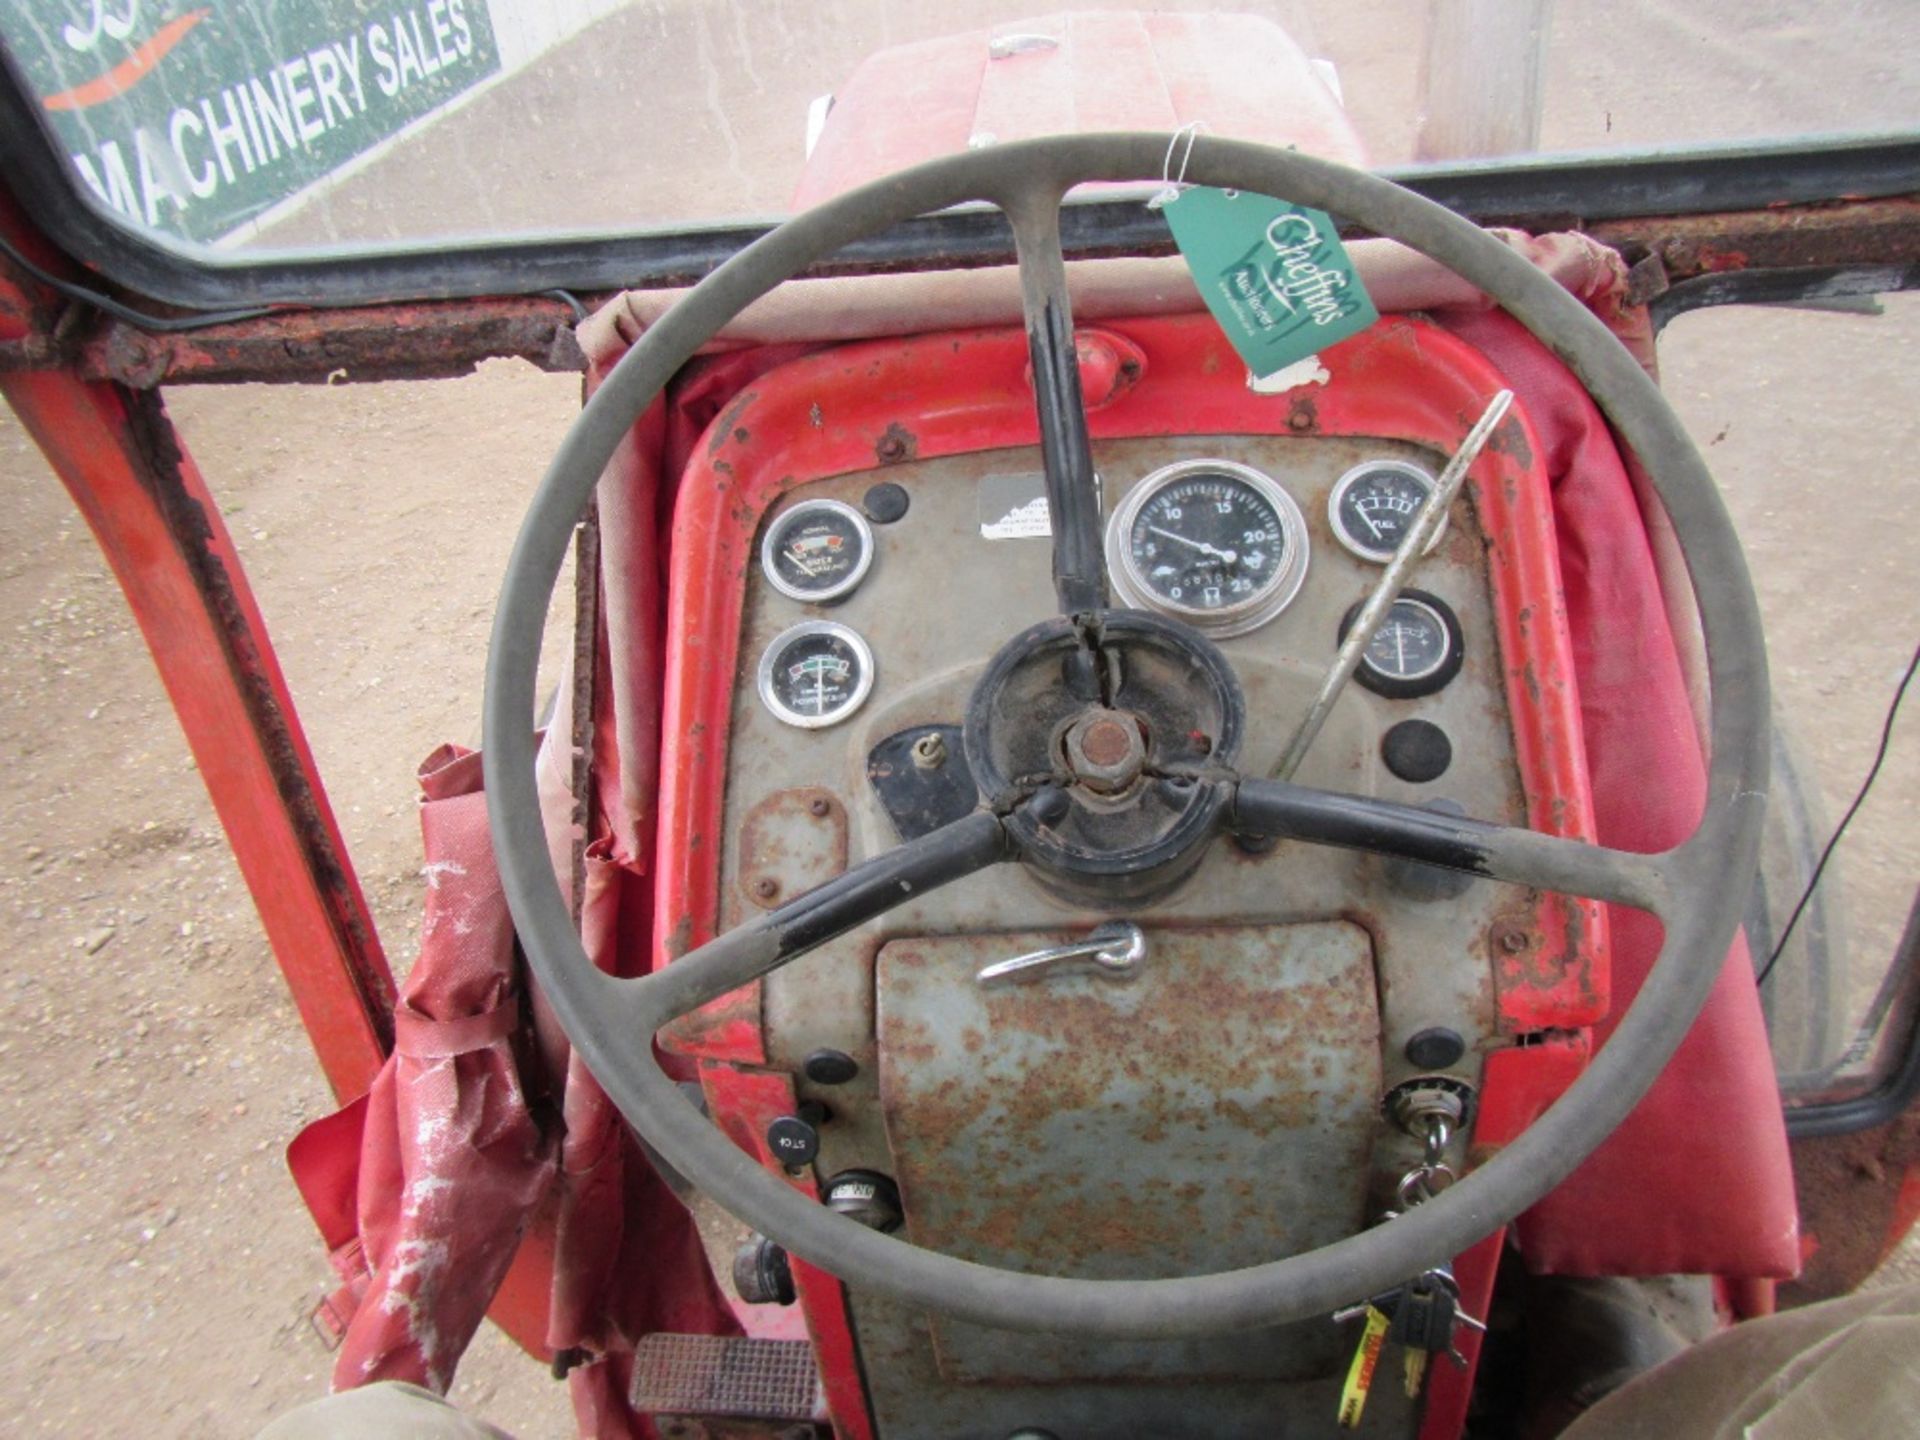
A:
{"x":1210,"y":542}
{"x":815,"y":674}
{"x":1416,"y":651}
{"x":816,"y":551}
{"x":1373,"y":505}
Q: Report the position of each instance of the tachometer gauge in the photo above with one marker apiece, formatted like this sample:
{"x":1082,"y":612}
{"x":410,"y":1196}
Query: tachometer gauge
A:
{"x":1417,"y":649}
{"x":817,"y":550}
{"x":815,"y":674}
{"x":1373,"y":505}
{"x":1215,"y":544}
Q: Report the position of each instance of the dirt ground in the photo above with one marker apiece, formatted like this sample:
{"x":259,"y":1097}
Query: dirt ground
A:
{"x":157,"y":1268}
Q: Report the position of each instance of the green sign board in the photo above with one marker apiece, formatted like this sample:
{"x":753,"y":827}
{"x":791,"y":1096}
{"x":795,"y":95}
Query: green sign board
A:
{"x":195,"y":118}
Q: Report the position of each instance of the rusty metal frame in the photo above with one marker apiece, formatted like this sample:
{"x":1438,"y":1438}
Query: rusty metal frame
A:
{"x":159,"y":527}
{"x":1794,"y":252}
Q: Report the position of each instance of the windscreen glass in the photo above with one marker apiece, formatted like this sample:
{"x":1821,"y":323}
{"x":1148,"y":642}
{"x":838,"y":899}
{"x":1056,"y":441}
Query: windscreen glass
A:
{"x":270,"y":123}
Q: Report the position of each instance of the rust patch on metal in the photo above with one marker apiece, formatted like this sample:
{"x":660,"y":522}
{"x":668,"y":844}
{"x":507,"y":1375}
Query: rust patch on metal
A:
{"x":1509,"y":438}
{"x":155,"y":449}
{"x":1855,"y":232}
{"x":1079,"y":1126}
{"x":728,"y":426}
{"x":1303,"y":416}
{"x":897,"y":445}
{"x":420,"y":340}
{"x":1105,"y":742}
{"x":790,"y":842}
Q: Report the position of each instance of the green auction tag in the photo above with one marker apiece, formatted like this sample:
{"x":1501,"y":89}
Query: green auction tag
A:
{"x":1274,"y":275}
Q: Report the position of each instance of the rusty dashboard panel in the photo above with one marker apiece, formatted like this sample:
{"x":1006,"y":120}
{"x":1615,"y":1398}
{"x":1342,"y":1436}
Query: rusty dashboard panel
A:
{"x":1222,"y":1095}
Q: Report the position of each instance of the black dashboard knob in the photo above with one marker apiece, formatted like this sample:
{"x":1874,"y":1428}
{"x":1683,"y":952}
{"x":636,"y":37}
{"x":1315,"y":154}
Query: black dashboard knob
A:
{"x":1417,"y":751}
{"x":793,"y":1141}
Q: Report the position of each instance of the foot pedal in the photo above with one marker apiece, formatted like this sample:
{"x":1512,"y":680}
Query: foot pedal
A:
{"x":726,"y":1375}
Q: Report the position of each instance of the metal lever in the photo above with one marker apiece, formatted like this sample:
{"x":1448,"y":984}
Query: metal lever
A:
{"x":1413,"y":545}
{"x":1114,"y":949}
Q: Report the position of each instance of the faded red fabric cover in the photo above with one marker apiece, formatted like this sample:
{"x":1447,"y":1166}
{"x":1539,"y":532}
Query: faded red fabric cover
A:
{"x":451,"y":1161}
{"x":1698,"y":1179}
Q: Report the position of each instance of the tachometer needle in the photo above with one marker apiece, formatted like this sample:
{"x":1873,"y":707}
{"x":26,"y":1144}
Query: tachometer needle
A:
{"x":1225,"y":556}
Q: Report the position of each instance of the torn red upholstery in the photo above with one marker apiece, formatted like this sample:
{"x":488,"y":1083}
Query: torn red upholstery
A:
{"x":451,"y":1161}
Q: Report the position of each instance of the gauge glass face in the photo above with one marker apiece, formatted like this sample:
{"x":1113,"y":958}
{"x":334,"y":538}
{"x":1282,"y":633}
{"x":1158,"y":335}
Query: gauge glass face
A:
{"x":1214,"y":543}
{"x":816,"y":674}
{"x":1411,"y":644}
{"x":1373,"y":507}
{"x":817,"y":551}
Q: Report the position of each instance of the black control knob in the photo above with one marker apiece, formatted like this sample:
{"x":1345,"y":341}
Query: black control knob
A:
{"x":830,"y":1067}
{"x":793,"y":1141}
{"x":866,"y":1196}
{"x":761,"y":1274}
{"x":1417,"y":751}
{"x":1435,"y":1048}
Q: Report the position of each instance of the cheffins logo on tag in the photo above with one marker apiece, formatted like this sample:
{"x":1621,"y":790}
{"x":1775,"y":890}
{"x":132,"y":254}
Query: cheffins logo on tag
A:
{"x":1274,"y":275}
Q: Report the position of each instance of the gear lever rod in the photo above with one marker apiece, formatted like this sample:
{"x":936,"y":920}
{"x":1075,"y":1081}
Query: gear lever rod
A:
{"x":1399,"y":571}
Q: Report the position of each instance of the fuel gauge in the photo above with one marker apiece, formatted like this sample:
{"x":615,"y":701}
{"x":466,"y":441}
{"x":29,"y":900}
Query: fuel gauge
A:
{"x":815,"y":674}
{"x":1373,"y":506}
{"x":1416,"y":651}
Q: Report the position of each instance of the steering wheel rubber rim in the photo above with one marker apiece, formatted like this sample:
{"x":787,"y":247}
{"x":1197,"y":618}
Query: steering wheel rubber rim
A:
{"x":1697,"y":889}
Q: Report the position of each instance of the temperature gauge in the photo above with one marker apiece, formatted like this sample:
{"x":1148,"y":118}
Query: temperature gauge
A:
{"x":1373,"y":506}
{"x":817,"y":551}
{"x":816,"y":674}
{"x":1417,"y":649}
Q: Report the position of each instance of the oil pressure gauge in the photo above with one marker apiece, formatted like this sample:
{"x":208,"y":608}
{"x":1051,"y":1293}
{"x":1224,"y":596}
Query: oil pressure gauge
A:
{"x":815,"y":674}
{"x":1416,"y":651}
{"x":817,"y":551}
{"x":1215,"y":544}
{"x":1373,"y":505}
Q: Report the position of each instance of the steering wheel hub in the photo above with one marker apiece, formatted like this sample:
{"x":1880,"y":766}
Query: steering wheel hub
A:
{"x":1106,"y":740}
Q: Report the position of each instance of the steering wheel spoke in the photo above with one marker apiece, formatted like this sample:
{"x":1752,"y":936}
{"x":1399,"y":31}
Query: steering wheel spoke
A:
{"x":1066,"y":453}
{"x":1283,"y":810}
{"x":764,"y":944}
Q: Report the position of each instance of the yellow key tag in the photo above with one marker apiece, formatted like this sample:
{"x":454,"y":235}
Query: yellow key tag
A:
{"x":1353,"y":1395}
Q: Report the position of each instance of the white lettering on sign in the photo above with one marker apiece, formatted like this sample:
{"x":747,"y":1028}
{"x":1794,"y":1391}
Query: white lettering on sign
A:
{"x":259,"y":121}
{"x":1020,"y":523}
{"x":116,"y":27}
{"x":1306,"y":282}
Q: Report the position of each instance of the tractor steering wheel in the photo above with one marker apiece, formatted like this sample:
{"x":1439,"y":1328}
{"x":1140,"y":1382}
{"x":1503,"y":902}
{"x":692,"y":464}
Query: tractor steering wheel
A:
{"x":1697,"y":889}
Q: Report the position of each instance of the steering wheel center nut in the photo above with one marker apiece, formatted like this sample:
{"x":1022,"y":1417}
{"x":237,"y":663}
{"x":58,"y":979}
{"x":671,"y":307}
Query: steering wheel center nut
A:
{"x":1107,"y":740}
{"x":1106,"y":750}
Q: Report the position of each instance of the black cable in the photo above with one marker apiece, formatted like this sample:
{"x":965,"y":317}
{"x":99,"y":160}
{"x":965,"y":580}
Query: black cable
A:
{"x":1873,"y":773}
{"x":126,"y":312}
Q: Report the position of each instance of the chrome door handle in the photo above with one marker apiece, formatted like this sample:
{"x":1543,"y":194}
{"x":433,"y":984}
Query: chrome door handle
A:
{"x":1114,"y":950}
